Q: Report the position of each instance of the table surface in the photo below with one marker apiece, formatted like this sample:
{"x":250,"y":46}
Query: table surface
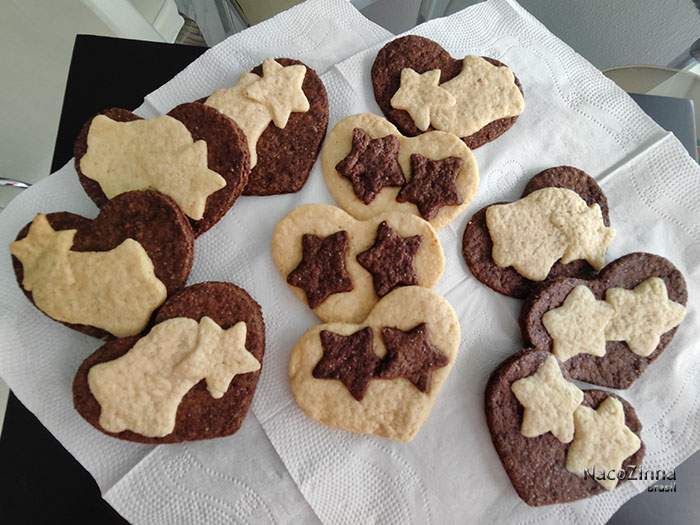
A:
{"x":47,"y":484}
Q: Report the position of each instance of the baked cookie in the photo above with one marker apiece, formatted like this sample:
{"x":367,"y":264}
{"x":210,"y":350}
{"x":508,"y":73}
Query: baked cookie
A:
{"x":558,"y":443}
{"x":105,"y":277}
{"x":607,"y":330}
{"x":194,"y":154}
{"x":191,"y":377}
{"x":560,"y":228}
{"x":370,"y":168}
{"x":381,"y":376}
{"x":420,"y":87}
{"x":282,"y":108}
{"x":340,"y":267}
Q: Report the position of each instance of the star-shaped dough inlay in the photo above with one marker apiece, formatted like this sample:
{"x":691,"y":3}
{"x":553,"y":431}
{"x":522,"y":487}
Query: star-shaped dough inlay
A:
{"x":602,"y":443}
{"x":578,"y":325}
{"x":432,"y":185}
{"x":348,"y":358}
{"x":280,"y":90}
{"x":219,"y":356}
{"x":322,"y":270}
{"x":421,"y":95}
{"x":410,"y":355}
{"x":390,"y":259}
{"x":642,"y":315}
{"x":41,"y":241}
{"x":371,"y":165}
{"x":549,"y":401}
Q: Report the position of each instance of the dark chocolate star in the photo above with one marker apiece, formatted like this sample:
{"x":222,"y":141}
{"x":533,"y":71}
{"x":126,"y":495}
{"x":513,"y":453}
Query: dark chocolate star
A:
{"x":432,"y":184}
{"x":410,"y":355}
{"x":322,"y":271}
{"x":371,"y":165}
{"x":349,"y":358}
{"x":390,"y":260}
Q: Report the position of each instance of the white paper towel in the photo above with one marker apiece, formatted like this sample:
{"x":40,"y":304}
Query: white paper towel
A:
{"x":450,"y":472}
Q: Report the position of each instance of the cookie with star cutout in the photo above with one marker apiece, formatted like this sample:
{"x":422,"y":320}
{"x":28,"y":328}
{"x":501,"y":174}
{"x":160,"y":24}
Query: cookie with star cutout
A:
{"x":106,"y":276}
{"x":191,"y":377}
{"x":371,"y":168}
{"x":380,"y":376}
{"x":558,"y":443}
{"x":420,"y":87}
{"x":559,"y":228}
{"x":607,"y":330}
{"x":282,"y":108}
{"x":340,"y":267}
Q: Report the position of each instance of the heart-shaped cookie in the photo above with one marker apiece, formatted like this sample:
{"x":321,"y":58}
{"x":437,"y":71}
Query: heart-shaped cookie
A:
{"x":477,"y":243}
{"x":381,"y":376}
{"x":537,"y":466}
{"x":372,"y":258}
{"x":130,"y":224}
{"x":282,"y":151}
{"x":165,"y":154}
{"x":370,"y":168}
{"x":618,"y":366}
{"x":192,"y":377}
{"x":419,"y":86}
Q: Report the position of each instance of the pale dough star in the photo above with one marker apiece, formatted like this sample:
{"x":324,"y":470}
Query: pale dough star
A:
{"x":222,"y":355}
{"x":280,"y":90}
{"x":40,"y":240}
{"x":642,"y":315}
{"x":602,"y":442}
{"x":421,"y":95}
{"x":549,"y":401}
{"x":578,"y":325}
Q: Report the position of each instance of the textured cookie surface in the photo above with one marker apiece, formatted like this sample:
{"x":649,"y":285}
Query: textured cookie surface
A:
{"x":536,"y":466}
{"x":150,"y":218}
{"x":395,"y":399}
{"x":367,"y":260}
{"x":227,"y":155}
{"x":619,"y":367}
{"x":477,"y":244}
{"x":422,"y":55}
{"x":447,"y":179}
{"x":286,"y":155}
{"x":199,"y":415}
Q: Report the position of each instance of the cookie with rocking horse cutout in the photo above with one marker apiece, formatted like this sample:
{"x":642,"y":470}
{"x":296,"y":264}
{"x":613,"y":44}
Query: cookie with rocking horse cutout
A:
{"x":559,"y":228}
{"x":194,"y":154}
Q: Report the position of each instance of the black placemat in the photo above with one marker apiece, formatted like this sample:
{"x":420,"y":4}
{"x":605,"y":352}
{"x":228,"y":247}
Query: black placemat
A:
{"x":40,"y":482}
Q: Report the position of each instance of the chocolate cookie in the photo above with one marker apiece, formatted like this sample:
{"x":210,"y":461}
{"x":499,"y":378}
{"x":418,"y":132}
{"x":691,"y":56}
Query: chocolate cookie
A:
{"x":150,"y":218}
{"x":422,"y":55}
{"x":477,"y":244}
{"x":286,"y":155}
{"x":227,"y":155}
{"x":619,"y":367}
{"x":199,"y":415}
{"x":536,"y":466}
